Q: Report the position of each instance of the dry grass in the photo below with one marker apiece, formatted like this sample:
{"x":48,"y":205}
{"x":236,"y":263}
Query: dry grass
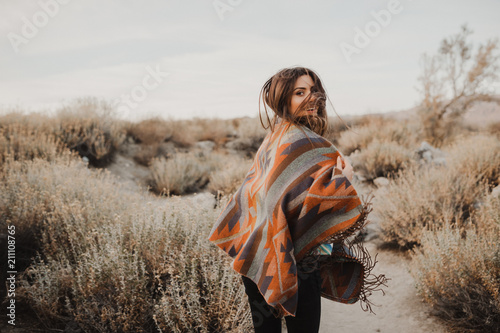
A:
{"x":249,"y":128}
{"x":249,"y":136}
{"x":404,"y":133}
{"x":336,"y":126}
{"x":111,"y":262}
{"x":459,"y":275}
{"x":478,"y":156}
{"x":182,"y":173}
{"x":425,"y":197}
{"x":494,"y":129}
{"x":88,"y":127}
{"x":20,"y":142}
{"x":185,"y":133}
{"x":152,"y":131}
{"x":229,"y":174}
{"x":203,"y":293}
{"x":382,"y":159}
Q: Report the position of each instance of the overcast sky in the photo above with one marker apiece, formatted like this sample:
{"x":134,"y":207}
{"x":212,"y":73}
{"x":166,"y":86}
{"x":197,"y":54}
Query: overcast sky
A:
{"x":210,"y":58}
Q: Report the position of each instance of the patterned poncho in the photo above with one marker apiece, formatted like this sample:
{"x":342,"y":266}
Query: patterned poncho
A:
{"x":293,"y":201}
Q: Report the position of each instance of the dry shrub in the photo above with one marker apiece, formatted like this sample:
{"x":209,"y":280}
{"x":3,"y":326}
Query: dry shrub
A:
{"x":87,"y":126}
{"x":20,"y":141}
{"x":213,"y":129}
{"x":41,"y":122}
{"x":111,"y":262}
{"x":106,"y":290}
{"x":228,"y":174}
{"x":382,"y":159}
{"x":180,"y":174}
{"x":440,"y":132}
{"x":152,"y":131}
{"x":184,"y":134}
{"x":487,"y":218}
{"x":147,"y":153}
{"x":424,"y":198}
{"x":249,"y":128}
{"x":337,"y":125}
{"x":478,"y":156}
{"x":202,"y":293}
{"x":459,"y":275}
{"x":69,"y":214}
{"x":187,"y":132}
{"x":249,"y":136}
{"x":35,"y":194}
{"x":405,"y":133}
{"x":494,"y":128}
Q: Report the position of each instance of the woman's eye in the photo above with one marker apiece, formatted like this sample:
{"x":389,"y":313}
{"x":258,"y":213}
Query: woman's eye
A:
{"x":299,"y":93}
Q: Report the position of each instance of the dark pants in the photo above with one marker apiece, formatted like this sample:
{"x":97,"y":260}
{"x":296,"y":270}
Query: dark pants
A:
{"x":308,"y":308}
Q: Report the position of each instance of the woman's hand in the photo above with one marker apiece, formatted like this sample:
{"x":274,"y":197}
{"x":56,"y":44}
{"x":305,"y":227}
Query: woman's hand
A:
{"x":345,"y":167}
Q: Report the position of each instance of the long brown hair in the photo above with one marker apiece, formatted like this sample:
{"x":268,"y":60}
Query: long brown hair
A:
{"x":277,"y":94}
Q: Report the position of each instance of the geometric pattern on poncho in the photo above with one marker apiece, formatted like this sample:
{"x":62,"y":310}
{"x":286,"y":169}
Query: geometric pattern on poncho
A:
{"x":292,"y":200}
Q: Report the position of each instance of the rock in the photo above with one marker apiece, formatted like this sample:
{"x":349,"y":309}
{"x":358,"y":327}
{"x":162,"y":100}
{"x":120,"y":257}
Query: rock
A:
{"x":430,"y":154}
{"x":427,"y":155}
{"x":381,"y":181}
{"x":358,"y":177}
{"x":206,"y":146}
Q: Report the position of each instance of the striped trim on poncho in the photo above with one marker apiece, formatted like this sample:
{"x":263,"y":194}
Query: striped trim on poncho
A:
{"x":292,"y":201}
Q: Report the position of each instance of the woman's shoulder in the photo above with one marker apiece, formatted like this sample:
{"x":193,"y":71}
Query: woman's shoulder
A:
{"x":296,"y":132}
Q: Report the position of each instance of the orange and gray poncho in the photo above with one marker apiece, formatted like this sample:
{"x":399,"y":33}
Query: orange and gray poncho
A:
{"x":293,"y":200}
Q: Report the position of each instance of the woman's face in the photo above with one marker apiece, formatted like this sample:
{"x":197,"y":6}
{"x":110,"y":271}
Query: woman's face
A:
{"x":301,"y":90}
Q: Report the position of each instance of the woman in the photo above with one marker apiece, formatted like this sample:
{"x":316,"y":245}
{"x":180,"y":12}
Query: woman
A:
{"x":287,"y":226}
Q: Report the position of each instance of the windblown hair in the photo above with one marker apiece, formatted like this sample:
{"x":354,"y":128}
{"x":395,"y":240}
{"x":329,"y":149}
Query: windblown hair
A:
{"x":277,"y":94}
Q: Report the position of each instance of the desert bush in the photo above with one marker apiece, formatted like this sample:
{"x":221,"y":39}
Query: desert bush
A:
{"x":476,"y":155}
{"x":382,"y":159}
{"x":405,"y":133}
{"x":147,"y":153}
{"x":452,"y":81}
{"x":182,"y":173}
{"x":214,"y":129}
{"x":106,"y":290}
{"x":249,"y":128}
{"x":25,"y":142}
{"x":494,"y":128}
{"x":88,"y":127}
{"x":228,"y":174}
{"x":41,"y":122}
{"x":152,"y":131}
{"x":187,"y":132}
{"x":421,"y":198}
{"x":109,"y":261}
{"x":337,"y":125}
{"x":249,"y":136}
{"x":202,"y":292}
{"x":33,"y":193}
{"x":459,"y":275}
